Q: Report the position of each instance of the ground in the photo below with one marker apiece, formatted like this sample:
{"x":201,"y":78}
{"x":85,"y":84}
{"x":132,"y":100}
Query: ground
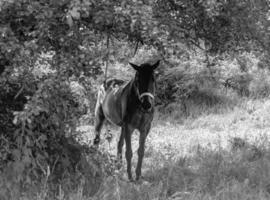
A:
{"x":214,"y":156}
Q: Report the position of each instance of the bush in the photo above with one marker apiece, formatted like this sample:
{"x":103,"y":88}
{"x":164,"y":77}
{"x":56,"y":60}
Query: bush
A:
{"x":38,"y":121}
{"x":260,"y":85}
{"x":183,"y":92}
{"x":239,"y":83}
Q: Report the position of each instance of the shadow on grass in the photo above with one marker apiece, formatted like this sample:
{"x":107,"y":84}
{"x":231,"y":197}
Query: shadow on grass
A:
{"x":242,"y":172}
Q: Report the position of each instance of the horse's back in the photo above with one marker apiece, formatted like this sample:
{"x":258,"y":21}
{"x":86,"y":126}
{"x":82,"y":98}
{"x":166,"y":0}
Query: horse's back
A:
{"x":112,"y":100}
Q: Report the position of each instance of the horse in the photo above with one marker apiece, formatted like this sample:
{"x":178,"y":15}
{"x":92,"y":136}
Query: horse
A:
{"x":129,"y":105}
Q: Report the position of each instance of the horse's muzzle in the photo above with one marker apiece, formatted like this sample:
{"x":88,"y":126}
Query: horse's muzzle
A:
{"x":146,"y":105}
{"x":147,"y":101}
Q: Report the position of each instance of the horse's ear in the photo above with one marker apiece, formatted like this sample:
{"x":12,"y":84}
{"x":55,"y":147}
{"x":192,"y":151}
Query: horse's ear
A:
{"x":136,"y":67}
{"x":154,"y":66}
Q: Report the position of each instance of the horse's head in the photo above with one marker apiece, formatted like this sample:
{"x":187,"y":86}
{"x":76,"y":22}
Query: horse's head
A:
{"x":144,"y":83}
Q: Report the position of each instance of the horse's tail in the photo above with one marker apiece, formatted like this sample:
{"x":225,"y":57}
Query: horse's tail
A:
{"x":100,"y":98}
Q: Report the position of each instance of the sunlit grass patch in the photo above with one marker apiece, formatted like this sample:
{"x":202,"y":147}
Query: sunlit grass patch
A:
{"x":216,"y":173}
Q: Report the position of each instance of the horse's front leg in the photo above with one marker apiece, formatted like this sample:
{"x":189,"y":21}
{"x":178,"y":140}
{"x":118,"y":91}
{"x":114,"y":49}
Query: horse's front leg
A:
{"x":143,"y":134}
{"x":119,"y":149}
{"x":127,"y":131}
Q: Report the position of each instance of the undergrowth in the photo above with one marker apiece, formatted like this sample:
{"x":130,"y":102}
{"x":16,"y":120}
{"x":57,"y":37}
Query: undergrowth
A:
{"x":210,"y":157}
{"x":240,"y":172}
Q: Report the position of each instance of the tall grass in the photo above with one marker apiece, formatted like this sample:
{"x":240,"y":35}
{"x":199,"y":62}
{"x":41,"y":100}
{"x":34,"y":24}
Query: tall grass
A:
{"x":207,"y":174}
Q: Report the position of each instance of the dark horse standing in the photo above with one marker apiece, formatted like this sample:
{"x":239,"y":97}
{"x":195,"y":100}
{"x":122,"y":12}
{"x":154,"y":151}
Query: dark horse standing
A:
{"x":130,"y":106}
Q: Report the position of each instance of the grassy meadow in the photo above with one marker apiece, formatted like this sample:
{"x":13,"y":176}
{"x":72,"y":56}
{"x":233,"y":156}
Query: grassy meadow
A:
{"x":221,"y":155}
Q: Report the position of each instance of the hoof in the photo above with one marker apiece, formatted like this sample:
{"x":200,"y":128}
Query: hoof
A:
{"x":96,"y":141}
{"x":131,"y":180}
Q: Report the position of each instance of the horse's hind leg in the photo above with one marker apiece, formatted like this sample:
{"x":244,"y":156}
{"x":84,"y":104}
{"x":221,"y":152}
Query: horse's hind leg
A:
{"x":99,"y":120}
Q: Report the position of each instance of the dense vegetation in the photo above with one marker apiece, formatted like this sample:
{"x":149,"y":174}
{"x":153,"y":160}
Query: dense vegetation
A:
{"x":53,"y":54}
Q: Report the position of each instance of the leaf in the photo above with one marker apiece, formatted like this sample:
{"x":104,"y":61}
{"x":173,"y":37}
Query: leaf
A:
{"x":15,"y":120}
{"x":69,"y":20}
{"x":75,"y":13}
{"x":17,"y":154}
{"x":27,"y":160}
{"x":18,"y":167}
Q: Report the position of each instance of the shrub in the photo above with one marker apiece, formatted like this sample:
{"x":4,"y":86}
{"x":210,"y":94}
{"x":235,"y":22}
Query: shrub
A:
{"x":260,"y":85}
{"x":239,"y":83}
{"x":38,"y":128}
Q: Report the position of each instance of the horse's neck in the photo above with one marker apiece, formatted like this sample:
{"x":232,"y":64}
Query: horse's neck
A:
{"x":132,"y":93}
